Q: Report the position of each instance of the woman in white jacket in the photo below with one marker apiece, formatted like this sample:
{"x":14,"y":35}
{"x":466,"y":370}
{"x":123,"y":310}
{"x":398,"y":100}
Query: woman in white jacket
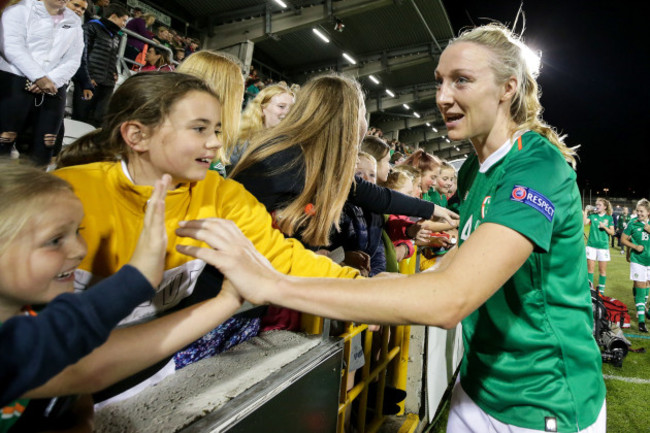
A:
{"x":41,"y":43}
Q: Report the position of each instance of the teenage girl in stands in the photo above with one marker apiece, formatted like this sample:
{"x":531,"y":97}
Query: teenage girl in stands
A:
{"x":518,"y":281}
{"x":157,"y":59}
{"x":602,"y":226}
{"x":167,"y":123}
{"x":302,"y":170}
{"x":265,"y":111}
{"x":637,"y":237}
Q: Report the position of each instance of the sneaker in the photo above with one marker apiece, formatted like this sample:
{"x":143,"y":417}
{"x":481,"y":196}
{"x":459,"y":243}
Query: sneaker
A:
{"x":642,"y":327}
{"x":622,"y":252}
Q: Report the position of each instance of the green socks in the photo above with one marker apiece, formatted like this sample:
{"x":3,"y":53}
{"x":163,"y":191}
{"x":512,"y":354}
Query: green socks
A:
{"x":639,"y":300}
{"x":601,"y":283}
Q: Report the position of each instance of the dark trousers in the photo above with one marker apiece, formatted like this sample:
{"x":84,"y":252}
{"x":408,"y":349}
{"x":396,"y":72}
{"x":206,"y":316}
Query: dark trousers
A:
{"x":45,"y":114}
{"x":91,"y":111}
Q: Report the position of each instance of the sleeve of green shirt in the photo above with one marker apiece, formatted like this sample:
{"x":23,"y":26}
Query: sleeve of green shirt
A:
{"x":534,"y":171}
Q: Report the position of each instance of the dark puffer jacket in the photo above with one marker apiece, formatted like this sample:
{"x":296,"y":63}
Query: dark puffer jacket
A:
{"x":102,"y":45}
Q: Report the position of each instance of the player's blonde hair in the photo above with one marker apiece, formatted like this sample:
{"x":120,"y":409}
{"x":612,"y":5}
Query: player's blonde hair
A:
{"x":511,"y":60}
{"x":607,"y":204}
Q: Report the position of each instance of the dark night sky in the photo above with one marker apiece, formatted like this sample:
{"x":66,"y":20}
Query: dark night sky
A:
{"x":594,"y":81}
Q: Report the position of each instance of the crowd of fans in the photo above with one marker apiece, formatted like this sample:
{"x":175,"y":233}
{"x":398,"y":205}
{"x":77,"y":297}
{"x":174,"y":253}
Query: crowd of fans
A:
{"x":311,"y":177}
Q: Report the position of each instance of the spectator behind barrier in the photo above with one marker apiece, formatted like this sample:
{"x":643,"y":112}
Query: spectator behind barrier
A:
{"x":222,"y":72}
{"x":142,"y":26}
{"x":34,"y":73}
{"x":156,"y":59}
{"x":81,"y":77}
{"x":302,"y":169}
{"x":428,"y":166}
{"x":40,"y":247}
{"x":102,"y":46}
{"x":361,"y":229}
{"x":266,"y":110}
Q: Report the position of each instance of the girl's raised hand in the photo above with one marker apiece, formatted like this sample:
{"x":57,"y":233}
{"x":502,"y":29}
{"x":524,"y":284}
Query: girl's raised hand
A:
{"x":233,"y":254}
{"x":149,"y":254}
{"x":450,"y":217}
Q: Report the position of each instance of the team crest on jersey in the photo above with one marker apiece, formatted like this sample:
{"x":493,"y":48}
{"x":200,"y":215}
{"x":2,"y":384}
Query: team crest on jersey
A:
{"x":484,"y":205}
{"x":534,"y":199}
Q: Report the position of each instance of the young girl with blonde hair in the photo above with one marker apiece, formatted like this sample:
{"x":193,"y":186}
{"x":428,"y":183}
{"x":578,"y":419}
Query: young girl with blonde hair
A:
{"x":40,"y":247}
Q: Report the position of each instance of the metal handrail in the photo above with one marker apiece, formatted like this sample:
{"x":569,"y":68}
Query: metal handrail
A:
{"x":150,"y":42}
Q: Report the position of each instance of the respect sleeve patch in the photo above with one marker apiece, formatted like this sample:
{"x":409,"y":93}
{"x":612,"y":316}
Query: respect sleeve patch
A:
{"x":534,"y":199}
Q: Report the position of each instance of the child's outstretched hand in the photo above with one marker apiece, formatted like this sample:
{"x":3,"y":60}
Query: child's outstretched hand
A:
{"x":233,"y":254}
{"x":450,"y":217}
{"x":149,"y":254}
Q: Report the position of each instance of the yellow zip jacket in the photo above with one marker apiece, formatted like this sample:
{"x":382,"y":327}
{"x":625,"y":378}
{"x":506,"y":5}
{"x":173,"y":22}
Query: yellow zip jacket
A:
{"x":114,"y":213}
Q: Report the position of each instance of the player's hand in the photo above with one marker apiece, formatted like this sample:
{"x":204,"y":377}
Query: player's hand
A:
{"x":639,"y":248}
{"x":233,"y":254}
{"x":149,"y":255}
{"x":88,"y":95}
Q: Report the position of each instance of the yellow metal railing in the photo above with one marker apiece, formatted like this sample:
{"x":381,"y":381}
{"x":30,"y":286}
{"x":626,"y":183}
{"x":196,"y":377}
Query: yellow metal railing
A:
{"x":391,"y":366}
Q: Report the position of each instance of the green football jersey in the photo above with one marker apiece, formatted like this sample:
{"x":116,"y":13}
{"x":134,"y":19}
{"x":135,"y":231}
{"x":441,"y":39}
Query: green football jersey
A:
{"x":598,"y":237}
{"x":635,"y":230}
{"x":529,"y":350}
{"x":435,"y":197}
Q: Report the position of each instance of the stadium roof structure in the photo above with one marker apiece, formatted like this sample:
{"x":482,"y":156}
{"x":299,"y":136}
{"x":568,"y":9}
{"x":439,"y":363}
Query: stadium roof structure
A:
{"x":396,"y":42}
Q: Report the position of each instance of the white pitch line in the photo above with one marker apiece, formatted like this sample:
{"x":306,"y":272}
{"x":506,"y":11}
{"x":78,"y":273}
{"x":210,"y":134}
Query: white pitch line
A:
{"x":627,"y":379}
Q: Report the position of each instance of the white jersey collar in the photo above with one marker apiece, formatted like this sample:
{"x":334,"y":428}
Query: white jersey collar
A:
{"x":502,"y":151}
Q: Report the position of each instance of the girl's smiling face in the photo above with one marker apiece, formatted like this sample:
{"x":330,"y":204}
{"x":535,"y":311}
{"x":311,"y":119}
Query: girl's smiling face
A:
{"x":39,"y":263}
{"x":277,"y":109}
{"x":185,"y":144}
{"x":445,"y":180}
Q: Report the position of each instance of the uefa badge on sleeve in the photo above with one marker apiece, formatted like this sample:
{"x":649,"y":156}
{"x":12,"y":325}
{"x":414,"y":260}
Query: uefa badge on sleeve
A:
{"x":534,"y":199}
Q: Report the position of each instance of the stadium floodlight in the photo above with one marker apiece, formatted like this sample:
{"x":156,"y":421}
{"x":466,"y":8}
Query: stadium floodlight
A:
{"x":321,"y":35}
{"x":349,"y":58}
{"x":281,"y":3}
{"x":416,"y":114}
{"x":373,"y":79}
{"x":434,"y":129}
{"x":447,"y":140}
{"x":391,"y":94}
{"x":406,"y":106}
{"x":428,"y":124}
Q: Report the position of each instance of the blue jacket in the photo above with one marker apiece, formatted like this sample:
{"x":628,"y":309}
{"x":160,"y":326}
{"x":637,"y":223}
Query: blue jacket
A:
{"x":36,"y":348}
